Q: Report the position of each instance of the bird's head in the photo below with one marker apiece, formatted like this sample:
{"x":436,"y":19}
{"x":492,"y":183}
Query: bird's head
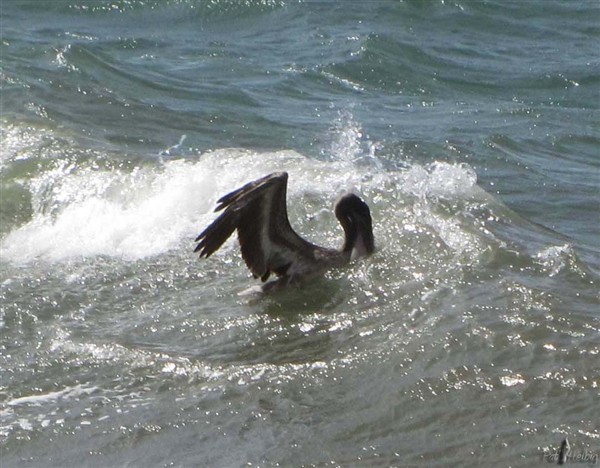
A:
{"x":355,"y":217}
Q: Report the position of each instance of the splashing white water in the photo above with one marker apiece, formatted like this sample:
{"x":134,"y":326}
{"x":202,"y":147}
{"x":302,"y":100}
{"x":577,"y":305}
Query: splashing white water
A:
{"x":555,"y":258}
{"x":86,"y":211}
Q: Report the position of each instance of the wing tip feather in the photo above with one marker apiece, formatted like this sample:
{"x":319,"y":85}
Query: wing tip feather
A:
{"x":243,"y":211}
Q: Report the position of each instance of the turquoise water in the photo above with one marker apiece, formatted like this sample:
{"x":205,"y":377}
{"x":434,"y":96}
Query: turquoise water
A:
{"x":471,"y":336}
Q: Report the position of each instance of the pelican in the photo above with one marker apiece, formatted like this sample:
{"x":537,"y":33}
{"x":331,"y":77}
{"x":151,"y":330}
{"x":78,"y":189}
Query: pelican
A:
{"x":268,"y":243}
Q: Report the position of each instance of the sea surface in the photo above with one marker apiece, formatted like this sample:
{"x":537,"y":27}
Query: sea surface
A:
{"x":470,"y":338}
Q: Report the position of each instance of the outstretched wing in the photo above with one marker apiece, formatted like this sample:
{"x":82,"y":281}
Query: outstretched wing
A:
{"x":258,"y":211}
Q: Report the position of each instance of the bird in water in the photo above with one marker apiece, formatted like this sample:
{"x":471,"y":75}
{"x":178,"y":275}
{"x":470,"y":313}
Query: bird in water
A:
{"x":268,"y":243}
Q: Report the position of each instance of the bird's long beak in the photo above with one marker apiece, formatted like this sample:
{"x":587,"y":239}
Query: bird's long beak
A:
{"x":365,"y":244}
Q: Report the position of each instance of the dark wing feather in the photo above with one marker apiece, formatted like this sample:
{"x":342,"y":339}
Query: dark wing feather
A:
{"x":258,"y":211}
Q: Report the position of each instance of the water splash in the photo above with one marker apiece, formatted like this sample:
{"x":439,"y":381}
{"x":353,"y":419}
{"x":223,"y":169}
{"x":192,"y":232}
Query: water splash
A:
{"x":82,"y":210}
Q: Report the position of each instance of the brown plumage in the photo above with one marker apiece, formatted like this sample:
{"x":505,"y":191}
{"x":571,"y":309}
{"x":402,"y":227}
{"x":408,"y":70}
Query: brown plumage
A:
{"x":269,"y":244}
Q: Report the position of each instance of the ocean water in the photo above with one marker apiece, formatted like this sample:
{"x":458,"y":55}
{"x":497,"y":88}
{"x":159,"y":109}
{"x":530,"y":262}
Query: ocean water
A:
{"x":470,"y":338}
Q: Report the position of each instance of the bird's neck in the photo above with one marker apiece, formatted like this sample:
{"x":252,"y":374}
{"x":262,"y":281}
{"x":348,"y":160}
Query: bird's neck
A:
{"x":350,"y":236}
{"x":359,"y":249}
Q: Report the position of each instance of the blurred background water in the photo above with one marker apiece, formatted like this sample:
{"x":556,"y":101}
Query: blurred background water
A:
{"x":471,"y":128}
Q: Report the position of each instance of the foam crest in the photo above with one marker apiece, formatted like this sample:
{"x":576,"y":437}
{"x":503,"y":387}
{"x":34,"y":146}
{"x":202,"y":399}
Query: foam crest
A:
{"x":40,"y":399}
{"x":87,"y":211}
{"x":440,"y":179}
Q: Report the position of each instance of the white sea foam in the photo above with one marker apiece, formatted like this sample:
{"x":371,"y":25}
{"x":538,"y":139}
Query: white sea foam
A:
{"x":85,"y":211}
{"x":555,"y":258}
{"x":440,"y":179}
{"x":40,"y":399}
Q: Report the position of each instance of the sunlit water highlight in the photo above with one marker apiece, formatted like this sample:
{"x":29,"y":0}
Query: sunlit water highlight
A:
{"x":469,"y":338}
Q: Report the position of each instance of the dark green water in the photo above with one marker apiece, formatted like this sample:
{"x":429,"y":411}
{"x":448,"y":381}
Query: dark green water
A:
{"x":471,"y":337}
